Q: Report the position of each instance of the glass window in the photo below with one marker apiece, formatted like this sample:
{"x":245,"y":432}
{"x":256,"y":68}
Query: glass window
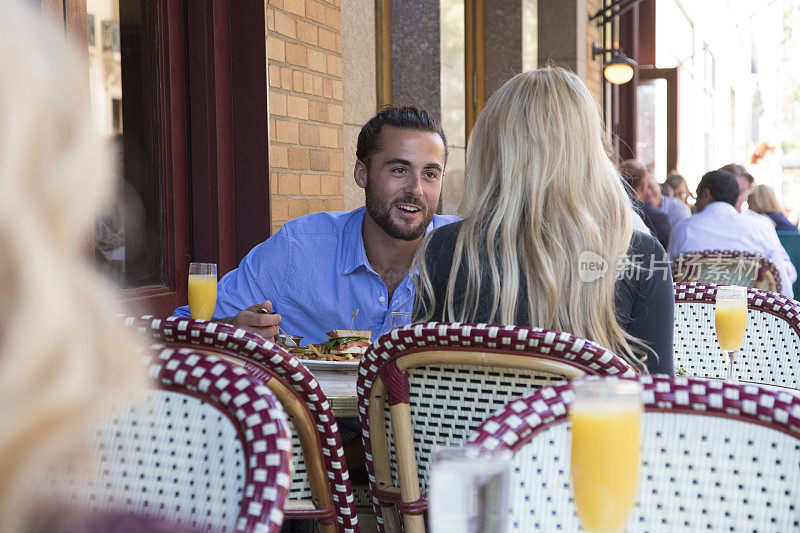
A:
{"x":529,"y":35}
{"x":453,"y":101}
{"x":122,"y":70}
{"x":651,"y":126}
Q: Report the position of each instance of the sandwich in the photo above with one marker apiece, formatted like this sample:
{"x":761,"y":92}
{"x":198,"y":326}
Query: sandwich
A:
{"x":348,"y":342}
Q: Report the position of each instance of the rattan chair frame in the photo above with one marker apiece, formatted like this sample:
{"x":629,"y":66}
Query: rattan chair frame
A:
{"x":383,"y":381}
{"x":770,"y":352}
{"x":686,"y":267}
{"x":332,"y":504}
{"x":542,"y":417}
{"x":141,"y":441}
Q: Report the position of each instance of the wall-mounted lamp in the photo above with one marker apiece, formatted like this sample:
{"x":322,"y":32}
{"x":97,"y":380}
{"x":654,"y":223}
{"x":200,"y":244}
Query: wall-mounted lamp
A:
{"x":620,"y":69}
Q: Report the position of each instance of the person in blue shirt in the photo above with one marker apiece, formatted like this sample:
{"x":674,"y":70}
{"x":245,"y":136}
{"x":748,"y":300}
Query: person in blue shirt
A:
{"x":315,"y":272}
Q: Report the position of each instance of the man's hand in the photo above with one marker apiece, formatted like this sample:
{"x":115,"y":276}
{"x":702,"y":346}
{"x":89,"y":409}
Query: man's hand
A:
{"x":256,"y":320}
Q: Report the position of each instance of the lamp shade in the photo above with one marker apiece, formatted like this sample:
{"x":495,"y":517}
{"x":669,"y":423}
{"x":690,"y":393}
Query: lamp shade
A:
{"x":620,"y":69}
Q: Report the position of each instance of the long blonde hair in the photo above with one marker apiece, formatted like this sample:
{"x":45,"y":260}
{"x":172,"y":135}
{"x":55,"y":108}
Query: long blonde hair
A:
{"x":763,"y":200}
{"x":64,"y":355}
{"x":540,"y":191}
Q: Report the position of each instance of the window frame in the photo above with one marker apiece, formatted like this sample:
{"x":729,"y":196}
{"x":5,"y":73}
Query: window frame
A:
{"x":213,"y":133}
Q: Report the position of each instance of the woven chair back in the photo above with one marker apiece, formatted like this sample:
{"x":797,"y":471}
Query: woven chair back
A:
{"x":770,"y":352}
{"x":208,"y":448}
{"x":716,"y":456}
{"x":427,"y":385}
{"x":320,"y":487}
{"x":727,"y":267}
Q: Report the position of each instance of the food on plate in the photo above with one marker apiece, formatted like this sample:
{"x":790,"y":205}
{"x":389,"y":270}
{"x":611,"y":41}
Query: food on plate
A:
{"x":342,"y":345}
{"x":348,"y":342}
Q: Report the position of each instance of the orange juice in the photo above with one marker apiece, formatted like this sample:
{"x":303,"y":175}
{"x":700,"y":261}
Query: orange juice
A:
{"x":202,"y":295}
{"x":605,"y":462}
{"x":731,"y":323}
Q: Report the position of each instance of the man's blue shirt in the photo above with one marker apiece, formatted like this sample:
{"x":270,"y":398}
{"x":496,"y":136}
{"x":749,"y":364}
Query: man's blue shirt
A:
{"x":316,"y":273}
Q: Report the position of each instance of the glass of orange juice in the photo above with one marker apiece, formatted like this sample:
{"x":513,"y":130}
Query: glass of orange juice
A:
{"x":606,"y":441}
{"x":202,"y":290}
{"x":730,"y":321}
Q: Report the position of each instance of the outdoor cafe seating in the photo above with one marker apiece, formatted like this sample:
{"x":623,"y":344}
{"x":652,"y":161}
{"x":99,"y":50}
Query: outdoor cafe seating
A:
{"x":428,"y":385}
{"x":208,"y":448}
{"x":320,"y":487}
{"x":770,"y":352}
{"x":715,"y":456}
{"x":727,"y":267}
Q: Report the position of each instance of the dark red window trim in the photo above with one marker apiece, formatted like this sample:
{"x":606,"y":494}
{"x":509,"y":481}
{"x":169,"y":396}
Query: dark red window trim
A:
{"x":214,"y":139}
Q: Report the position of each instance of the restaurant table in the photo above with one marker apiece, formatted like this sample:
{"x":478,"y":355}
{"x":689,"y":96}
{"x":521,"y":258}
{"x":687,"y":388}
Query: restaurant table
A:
{"x":340,"y":388}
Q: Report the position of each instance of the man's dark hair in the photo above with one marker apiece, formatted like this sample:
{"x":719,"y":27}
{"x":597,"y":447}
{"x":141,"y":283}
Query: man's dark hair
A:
{"x":721,"y":184}
{"x":405,"y":117}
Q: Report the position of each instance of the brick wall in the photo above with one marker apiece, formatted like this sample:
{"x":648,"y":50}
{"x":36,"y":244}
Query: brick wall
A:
{"x":304,"y":47}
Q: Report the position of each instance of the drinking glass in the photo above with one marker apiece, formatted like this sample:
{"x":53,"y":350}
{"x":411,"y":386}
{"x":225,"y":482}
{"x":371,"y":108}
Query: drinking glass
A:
{"x":202,"y":290}
{"x":399,"y":319}
{"x":468,"y":493}
{"x":730,"y":321}
{"x":606,"y":441}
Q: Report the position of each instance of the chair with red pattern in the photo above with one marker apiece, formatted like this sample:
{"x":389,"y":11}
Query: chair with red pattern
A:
{"x":727,"y":267}
{"x":716,"y":456}
{"x":770,"y":352}
{"x":207,"y":448}
{"x":432,"y":384}
{"x":320,"y":486}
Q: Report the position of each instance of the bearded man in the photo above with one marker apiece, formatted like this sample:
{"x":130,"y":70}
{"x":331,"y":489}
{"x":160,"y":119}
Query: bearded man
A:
{"x":318,"y":269}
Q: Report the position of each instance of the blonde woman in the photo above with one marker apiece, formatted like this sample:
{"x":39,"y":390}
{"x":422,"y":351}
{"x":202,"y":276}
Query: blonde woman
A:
{"x":680,"y":189}
{"x":764,"y":202}
{"x":543,"y":208}
{"x":64,"y":356}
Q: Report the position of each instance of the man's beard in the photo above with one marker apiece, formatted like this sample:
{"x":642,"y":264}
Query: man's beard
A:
{"x":381,"y":213}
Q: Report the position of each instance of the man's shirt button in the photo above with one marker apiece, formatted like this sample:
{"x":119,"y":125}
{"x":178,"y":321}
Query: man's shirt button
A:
{"x":382,"y":299}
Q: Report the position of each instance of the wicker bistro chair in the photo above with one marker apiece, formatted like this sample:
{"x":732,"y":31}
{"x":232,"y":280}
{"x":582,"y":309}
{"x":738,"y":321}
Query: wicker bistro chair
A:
{"x":432,"y":384}
{"x":209,"y":447}
{"x":727,"y":267}
{"x":716,"y":456}
{"x":320,"y":486}
{"x":770,"y":352}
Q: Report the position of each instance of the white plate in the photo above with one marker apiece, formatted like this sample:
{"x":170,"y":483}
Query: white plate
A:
{"x":340,"y":366}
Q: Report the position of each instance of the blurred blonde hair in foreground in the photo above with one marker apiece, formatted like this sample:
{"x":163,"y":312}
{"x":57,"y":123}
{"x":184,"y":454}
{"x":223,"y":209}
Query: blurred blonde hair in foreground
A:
{"x":64,"y":355}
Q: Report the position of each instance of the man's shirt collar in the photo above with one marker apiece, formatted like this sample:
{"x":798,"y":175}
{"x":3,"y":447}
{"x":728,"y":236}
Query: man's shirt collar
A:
{"x":353,"y":254}
{"x":720,"y":208}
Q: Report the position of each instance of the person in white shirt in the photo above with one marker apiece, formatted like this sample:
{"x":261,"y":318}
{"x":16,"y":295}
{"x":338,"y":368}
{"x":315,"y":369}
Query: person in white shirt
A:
{"x":719,"y":226}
